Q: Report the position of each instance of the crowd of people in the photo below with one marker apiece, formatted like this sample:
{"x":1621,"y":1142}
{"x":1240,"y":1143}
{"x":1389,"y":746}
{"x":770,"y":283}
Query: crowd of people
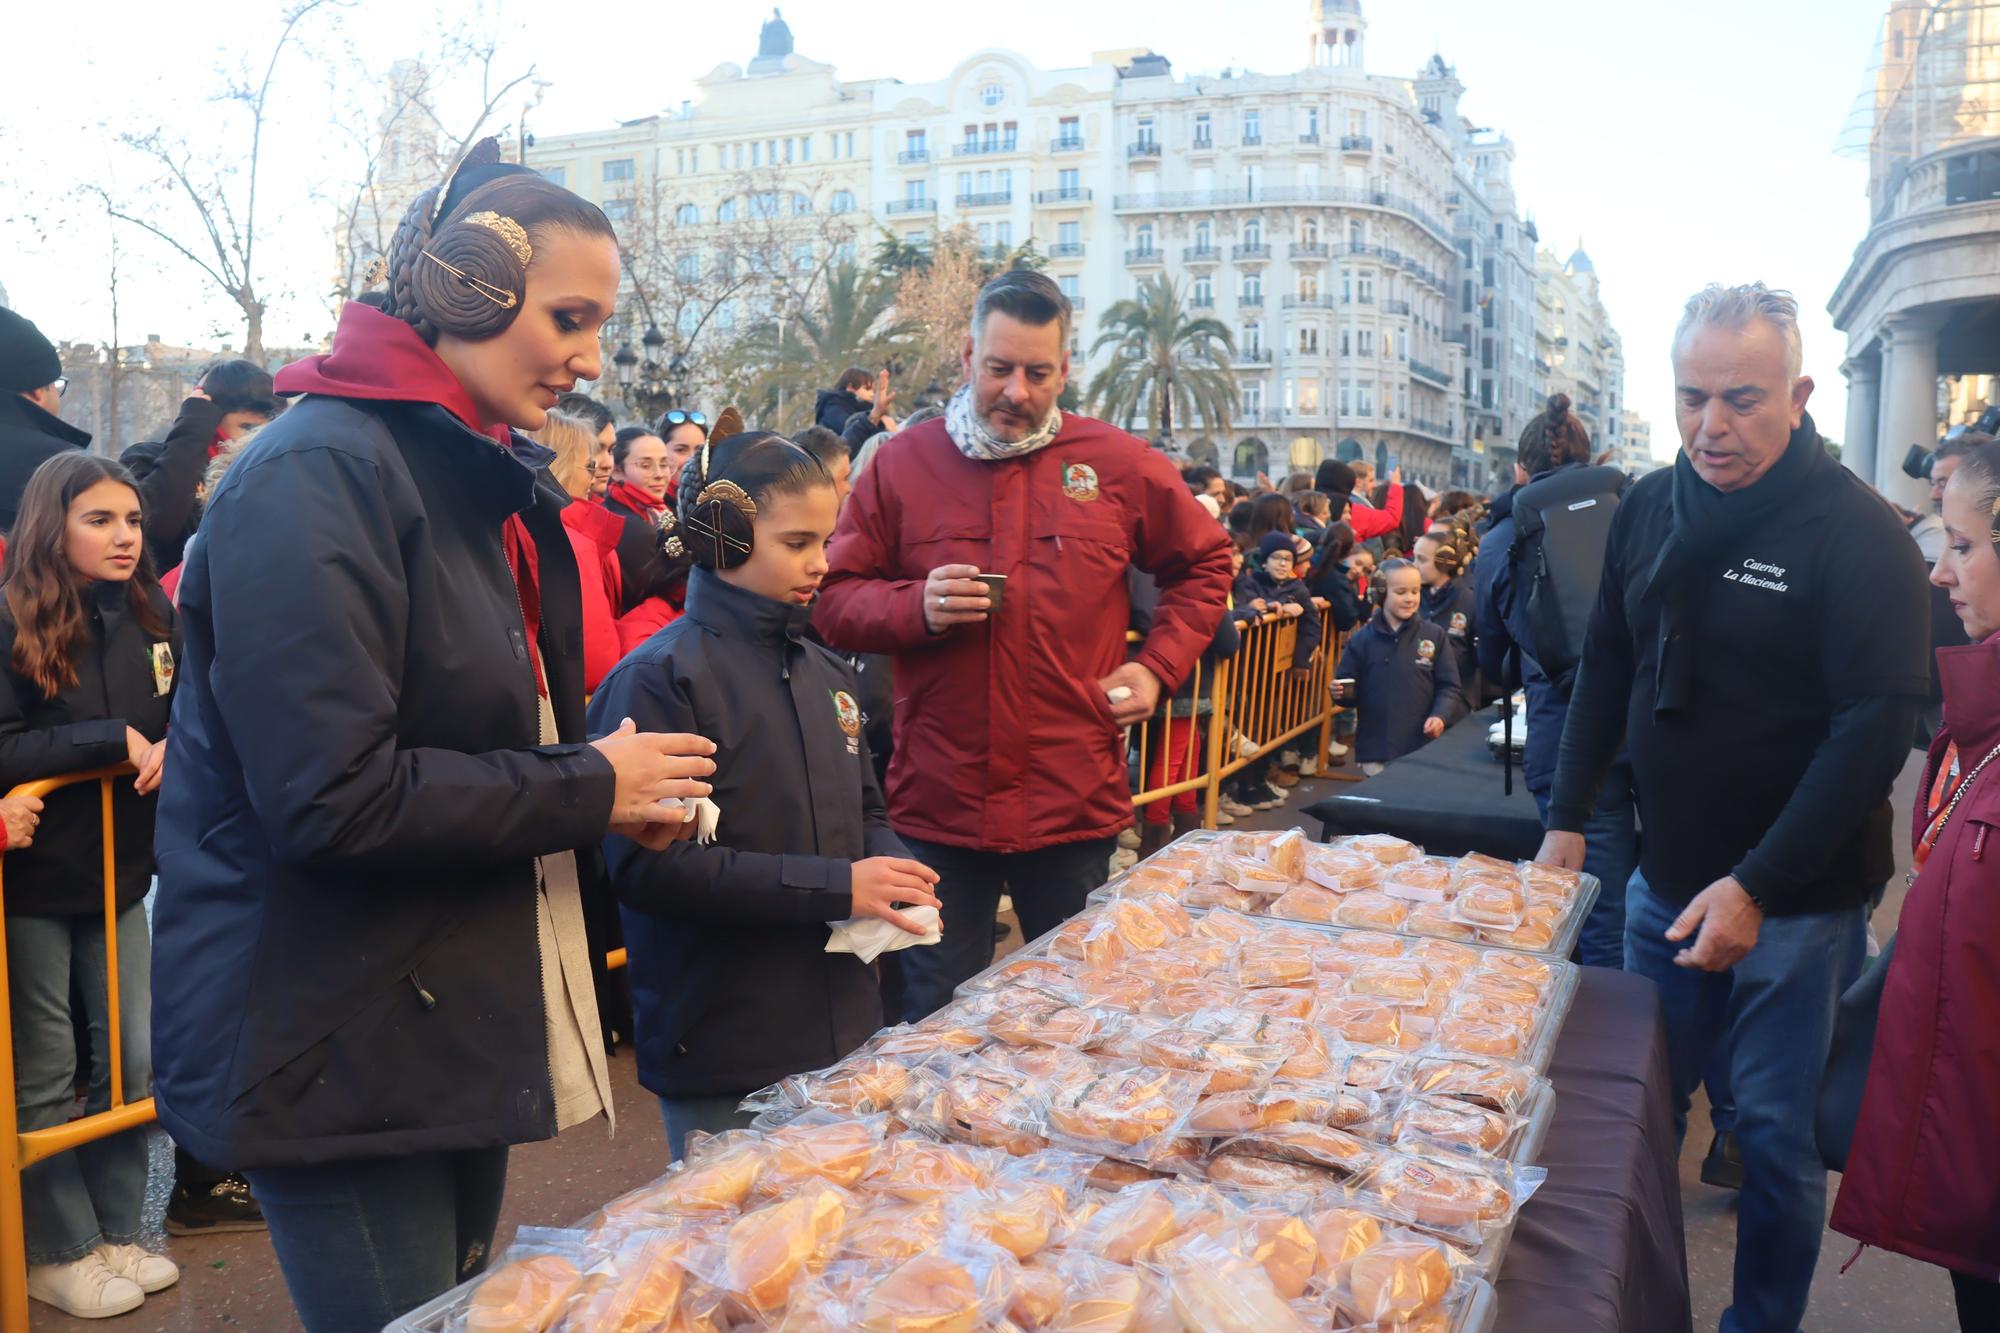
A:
{"x":438,"y":683}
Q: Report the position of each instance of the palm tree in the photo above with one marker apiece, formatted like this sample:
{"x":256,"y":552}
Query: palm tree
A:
{"x":1163,"y":363}
{"x":786,"y":359}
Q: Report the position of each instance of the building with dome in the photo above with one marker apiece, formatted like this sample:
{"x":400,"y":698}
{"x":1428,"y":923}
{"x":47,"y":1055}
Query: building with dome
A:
{"x":1357,"y":233}
{"x":1577,"y":351}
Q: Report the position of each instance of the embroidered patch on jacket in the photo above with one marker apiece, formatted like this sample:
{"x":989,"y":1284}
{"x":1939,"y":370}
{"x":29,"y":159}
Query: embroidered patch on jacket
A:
{"x":1457,"y":626}
{"x":1080,"y":482}
{"x":161,"y":657}
{"x":1426,"y":650}
{"x":848,"y":714}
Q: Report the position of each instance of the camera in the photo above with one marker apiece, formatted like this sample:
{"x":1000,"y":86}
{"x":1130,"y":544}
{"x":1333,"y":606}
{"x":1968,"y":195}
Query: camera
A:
{"x":1919,"y":461}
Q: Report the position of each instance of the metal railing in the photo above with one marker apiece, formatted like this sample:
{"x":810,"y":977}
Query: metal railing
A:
{"x":1075,"y":194}
{"x":1200,"y":254}
{"x":1145,"y":254}
{"x":911,"y":157}
{"x":910,"y":206}
{"x":990,"y":199}
{"x":1072,"y":144}
{"x":1257,"y":705}
{"x":25,"y":1149}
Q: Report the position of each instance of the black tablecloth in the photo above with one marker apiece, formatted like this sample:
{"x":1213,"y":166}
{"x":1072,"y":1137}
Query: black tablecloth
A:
{"x":1446,"y":797}
{"x":1600,"y":1246}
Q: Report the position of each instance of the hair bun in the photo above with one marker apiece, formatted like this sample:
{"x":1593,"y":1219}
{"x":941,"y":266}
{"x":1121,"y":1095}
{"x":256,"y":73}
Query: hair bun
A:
{"x":483,"y":296}
{"x":1558,"y":405}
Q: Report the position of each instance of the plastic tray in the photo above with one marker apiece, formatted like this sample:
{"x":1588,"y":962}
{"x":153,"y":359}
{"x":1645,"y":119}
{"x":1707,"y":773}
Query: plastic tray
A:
{"x":1560,"y":947}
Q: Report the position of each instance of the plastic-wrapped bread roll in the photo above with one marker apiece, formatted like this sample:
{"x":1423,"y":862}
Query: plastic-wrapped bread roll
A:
{"x":522,"y":1295}
{"x":1218,"y":1292}
{"x":928,"y":1294}
{"x":644,"y":1295}
{"x":1341,"y":1234}
{"x":764,"y":1252}
{"x":1396,"y":1281}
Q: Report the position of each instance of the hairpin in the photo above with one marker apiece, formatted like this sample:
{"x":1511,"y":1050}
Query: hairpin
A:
{"x":508,"y":230}
{"x":499,"y":296}
{"x":728,"y":492}
{"x":377,"y":273}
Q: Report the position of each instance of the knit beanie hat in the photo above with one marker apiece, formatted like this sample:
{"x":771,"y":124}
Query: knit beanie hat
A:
{"x":1334,"y":477}
{"x":1275,"y":541}
{"x":27,"y":359}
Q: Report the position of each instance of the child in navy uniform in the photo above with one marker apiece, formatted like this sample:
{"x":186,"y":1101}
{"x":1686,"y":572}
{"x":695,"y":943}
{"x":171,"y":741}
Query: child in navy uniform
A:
{"x":732,"y":988}
{"x":1270,"y":583}
{"x":1448,"y":601}
{"x":1405,"y":679}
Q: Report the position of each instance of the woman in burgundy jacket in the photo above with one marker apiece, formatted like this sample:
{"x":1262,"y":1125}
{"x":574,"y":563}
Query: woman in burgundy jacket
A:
{"x":1923,"y":1174}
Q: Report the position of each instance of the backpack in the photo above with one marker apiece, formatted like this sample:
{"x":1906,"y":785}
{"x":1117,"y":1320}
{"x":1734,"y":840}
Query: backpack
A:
{"x":1561,"y":525}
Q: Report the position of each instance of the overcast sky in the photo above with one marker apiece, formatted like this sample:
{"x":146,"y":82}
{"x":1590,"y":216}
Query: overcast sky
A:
{"x":1682,"y":144}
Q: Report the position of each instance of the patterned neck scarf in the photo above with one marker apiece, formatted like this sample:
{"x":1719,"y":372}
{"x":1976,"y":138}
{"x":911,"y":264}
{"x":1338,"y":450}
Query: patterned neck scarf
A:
{"x":969,"y":433}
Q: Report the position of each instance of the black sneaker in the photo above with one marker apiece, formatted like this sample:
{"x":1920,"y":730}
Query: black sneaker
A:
{"x":223,"y":1206}
{"x":1723,"y":1167}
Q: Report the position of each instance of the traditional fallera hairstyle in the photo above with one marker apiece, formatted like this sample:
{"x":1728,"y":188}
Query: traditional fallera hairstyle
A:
{"x":1554,"y":436}
{"x":720,"y":490}
{"x":459,"y":262}
{"x":44,"y":596}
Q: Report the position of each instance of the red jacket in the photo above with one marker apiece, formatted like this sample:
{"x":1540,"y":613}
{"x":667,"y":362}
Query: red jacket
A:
{"x":1002,"y":739}
{"x":1369,"y":522}
{"x":1923,"y":1174}
{"x":593,"y":535}
{"x":645,"y":620}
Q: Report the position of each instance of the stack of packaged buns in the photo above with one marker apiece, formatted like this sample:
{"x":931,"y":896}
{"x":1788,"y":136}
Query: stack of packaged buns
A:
{"x":1372,"y":882}
{"x":1151,"y":1119}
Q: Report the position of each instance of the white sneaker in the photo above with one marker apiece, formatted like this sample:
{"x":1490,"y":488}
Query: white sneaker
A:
{"x":1372,"y":770}
{"x":1245,"y":747}
{"x":1335,"y":750}
{"x":1309,"y":766}
{"x":1265,"y":798}
{"x":1129,"y":840}
{"x":84,"y":1288}
{"x":1232,"y":807}
{"x":1006,"y":904}
{"x":152,"y":1272}
{"x":1223,"y":818}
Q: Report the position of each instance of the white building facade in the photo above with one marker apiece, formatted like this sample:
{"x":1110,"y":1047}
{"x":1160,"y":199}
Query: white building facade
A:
{"x":1577,"y":351}
{"x":1356,"y":234}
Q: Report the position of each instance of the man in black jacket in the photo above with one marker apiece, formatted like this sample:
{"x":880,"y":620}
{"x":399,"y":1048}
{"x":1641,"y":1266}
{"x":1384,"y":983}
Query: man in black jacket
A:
{"x":1759,"y":643}
{"x":232,"y":399}
{"x":31,"y":389}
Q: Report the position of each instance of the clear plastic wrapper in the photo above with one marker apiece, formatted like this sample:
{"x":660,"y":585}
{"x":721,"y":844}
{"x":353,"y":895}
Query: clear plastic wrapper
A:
{"x":1340,"y":1233}
{"x":820,"y":1146}
{"x":1055,"y":975}
{"x":1375,"y":1068}
{"x":1397,"y":1281}
{"x":926,"y":1039}
{"x":1490,"y":906}
{"x":1275,"y":963}
{"x":1130,"y":1111}
{"x":1128,"y":1226}
{"x":960,"y":1287}
{"x":1229,"y":1064}
{"x":1370,"y":944}
{"x":1219,"y":1291}
{"x":527,"y":1291}
{"x":1372,"y":909}
{"x":1247,"y":873}
{"x":1474,"y":1036}
{"x":858,"y":1085}
{"x":716,"y":1177}
{"x":1454,"y":1197}
{"x":1231,"y":1113}
{"x":1501,"y":1085}
{"x":635,"y":1288}
{"x":891,"y":1229}
{"x":917,"y":1170}
{"x":1404,"y":982}
{"x":1286,"y":854}
{"x":1431,"y":1124}
{"x":1363,"y":1019}
{"x":760,"y":1259}
{"x":988,"y":1105}
{"x":1345,"y":1155}
{"x":1382,"y":847}
{"x":1309,"y":903}
{"x":1341,"y":871}
{"x":1437,"y":921}
{"x":1425,"y":880}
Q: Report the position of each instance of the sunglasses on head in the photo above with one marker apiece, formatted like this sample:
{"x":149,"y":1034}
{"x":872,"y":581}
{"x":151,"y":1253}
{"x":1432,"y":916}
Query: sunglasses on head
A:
{"x":679,"y":418}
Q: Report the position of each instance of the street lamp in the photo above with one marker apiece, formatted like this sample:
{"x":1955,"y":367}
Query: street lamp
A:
{"x":624,"y":361}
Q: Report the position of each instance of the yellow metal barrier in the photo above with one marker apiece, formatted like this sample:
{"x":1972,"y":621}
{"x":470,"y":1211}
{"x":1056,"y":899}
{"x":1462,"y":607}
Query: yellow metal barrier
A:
{"x":1253,"y":694}
{"x":36,"y":1145}
{"x":32,"y":1147}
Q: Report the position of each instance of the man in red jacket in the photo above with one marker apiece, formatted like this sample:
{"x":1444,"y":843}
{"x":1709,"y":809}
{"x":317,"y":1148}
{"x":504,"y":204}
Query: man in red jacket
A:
{"x":1009,"y":772}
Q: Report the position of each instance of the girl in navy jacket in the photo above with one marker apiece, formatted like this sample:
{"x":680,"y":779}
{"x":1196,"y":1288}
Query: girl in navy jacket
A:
{"x":732,"y":986}
{"x":1405,"y":681}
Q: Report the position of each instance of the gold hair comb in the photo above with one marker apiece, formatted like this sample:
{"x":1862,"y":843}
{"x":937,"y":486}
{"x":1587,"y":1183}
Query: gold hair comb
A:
{"x":508,"y":230}
{"x":377,"y":274}
{"x":499,"y":296}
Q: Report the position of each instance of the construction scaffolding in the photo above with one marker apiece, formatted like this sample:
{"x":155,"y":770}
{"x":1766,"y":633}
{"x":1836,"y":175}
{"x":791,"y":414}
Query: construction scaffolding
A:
{"x":1933,"y":83}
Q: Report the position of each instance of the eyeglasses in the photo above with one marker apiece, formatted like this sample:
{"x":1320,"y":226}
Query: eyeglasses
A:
{"x":679,"y":418}
{"x":62,"y":385}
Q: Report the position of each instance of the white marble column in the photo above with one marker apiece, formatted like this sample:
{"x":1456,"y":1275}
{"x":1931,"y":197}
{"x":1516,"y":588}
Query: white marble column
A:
{"x":1864,"y":410}
{"x":1909,"y":405}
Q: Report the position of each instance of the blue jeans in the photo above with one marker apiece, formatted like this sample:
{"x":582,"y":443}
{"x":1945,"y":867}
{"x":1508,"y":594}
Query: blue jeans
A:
{"x":1611,"y":853}
{"x":93,"y":1194}
{"x":1048,"y":886}
{"x":362,"y":1243}
{"x":1775,"y":1010}
{"x":710,"y":1115}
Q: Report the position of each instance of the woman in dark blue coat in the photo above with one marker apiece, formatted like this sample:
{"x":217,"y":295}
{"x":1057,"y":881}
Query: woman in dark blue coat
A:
{"x":372,"y":969}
